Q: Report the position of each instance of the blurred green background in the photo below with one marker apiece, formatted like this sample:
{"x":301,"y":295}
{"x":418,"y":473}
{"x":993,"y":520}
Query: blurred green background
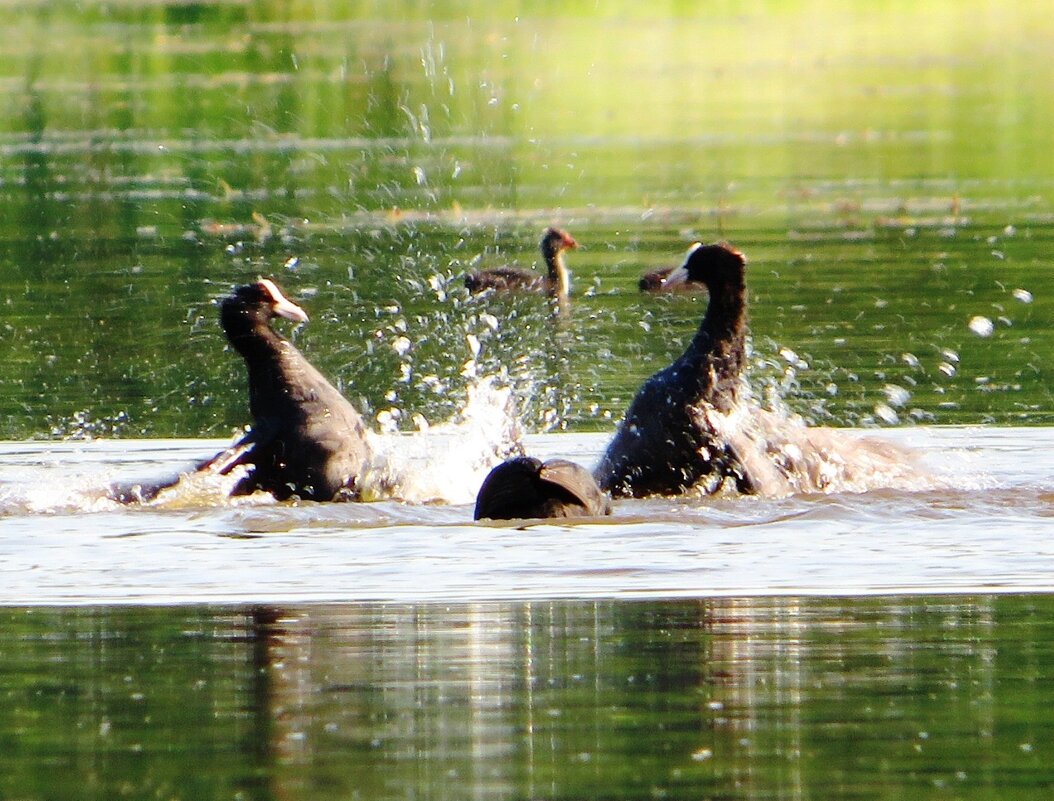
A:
{"x":886,"y":168}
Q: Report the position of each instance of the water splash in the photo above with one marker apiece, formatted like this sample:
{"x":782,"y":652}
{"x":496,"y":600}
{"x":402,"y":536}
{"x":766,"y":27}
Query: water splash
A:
{"x":206,"y":488}
{"x":446,"y":463}
{"x":784,"y":456}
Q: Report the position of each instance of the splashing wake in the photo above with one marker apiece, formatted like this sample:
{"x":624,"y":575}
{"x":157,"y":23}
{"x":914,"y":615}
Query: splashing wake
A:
{"x":784,"y":456}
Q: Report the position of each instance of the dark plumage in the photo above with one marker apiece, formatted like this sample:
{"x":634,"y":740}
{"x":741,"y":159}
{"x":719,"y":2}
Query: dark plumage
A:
{"x":555,"y":283}
{"x":524,"y":487}
{"x":660,"y":280}
{"x":306,"y":439}
{"x":665,"y":446}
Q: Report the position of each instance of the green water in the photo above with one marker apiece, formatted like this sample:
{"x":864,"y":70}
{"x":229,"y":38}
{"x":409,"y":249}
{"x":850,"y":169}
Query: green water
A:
{"x":887,"y":169}
{"x":947,"y":697}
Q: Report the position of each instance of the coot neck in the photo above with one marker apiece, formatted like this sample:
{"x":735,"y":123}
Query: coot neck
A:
{"x":723,"y":330}
{"x":558,"y":283}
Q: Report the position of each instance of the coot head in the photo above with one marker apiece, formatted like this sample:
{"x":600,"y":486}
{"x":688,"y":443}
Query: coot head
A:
{"x":266,"y":299}
{"x":711,"y":265}
{"x":555,"y":240}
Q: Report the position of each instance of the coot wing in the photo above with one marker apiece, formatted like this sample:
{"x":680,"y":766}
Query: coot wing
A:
{"x":572,"y":485}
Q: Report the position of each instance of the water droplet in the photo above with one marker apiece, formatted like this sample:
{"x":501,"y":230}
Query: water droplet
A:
{"x":388,"y":419}
{"x":896,"y":395}
{"x":981,"y":326}
{"x":886,"y":414}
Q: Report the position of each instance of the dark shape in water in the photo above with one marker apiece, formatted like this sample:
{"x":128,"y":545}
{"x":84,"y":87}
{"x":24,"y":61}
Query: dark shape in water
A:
{"x":306,"y":440}
{"x":524,"y":487}
{"x":664,"y":445}
{"x":555,"y":283}
{"x":670,"y":279}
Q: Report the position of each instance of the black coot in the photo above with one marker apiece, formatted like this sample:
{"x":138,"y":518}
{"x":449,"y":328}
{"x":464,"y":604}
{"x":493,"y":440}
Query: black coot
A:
{"x":524,"y":487}
{"x":306,"y":440}
{"x":665,"y":446}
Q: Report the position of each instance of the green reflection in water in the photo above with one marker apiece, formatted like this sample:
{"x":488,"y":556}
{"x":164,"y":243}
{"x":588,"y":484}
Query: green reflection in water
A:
{"x":887,"y":170}
{"x":755,"y":698}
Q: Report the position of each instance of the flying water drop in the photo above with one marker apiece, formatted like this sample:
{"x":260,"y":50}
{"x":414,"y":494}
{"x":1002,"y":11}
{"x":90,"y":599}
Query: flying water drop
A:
{"x":981,"y":326}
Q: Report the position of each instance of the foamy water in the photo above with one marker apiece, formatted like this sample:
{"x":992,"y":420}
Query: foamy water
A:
{"x":984,"y":524}
{"x":446,"y":463}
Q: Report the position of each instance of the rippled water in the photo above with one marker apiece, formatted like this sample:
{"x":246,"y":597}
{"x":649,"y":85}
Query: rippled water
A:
{"x":977,"y":517}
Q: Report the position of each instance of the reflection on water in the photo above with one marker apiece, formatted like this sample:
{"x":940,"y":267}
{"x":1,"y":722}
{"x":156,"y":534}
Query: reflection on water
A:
{"x":733,"y":698}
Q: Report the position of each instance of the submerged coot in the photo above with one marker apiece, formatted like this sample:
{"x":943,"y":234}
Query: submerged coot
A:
{"x":555,"y":282}
{"x":665,"y":446}
{"x":524,"y":487}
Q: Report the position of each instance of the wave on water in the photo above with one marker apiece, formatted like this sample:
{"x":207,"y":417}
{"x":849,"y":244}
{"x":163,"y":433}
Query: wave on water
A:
{"x":447,"y":462}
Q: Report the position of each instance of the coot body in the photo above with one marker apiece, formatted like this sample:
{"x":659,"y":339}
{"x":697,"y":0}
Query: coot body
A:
{"x":306,"y":439}
{"x":664,"y":445}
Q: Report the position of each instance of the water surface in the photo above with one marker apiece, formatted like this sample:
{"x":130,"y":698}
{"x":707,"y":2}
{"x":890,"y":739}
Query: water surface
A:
{"x":887,"y":170}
